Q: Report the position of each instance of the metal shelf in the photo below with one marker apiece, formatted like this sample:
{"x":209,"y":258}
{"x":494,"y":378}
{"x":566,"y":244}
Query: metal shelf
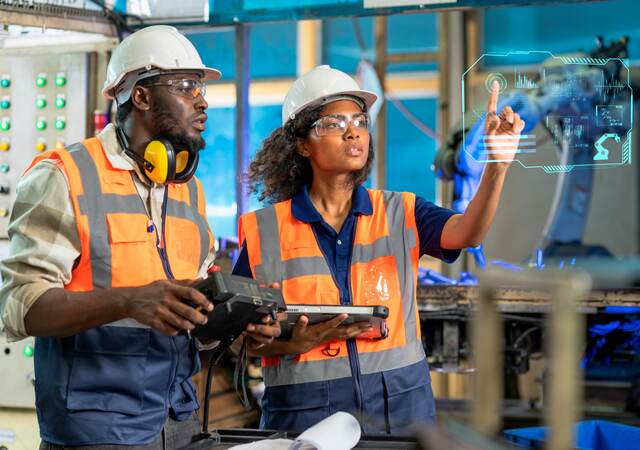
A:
{"x":53,"y":16}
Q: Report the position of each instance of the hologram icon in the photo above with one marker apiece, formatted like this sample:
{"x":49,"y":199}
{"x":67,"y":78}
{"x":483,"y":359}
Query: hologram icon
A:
{"x":603,"y":153}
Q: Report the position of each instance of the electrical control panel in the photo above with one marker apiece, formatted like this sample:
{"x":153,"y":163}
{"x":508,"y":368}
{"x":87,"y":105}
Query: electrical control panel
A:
{"x":43,"y":106}
{"x":16,"y":361}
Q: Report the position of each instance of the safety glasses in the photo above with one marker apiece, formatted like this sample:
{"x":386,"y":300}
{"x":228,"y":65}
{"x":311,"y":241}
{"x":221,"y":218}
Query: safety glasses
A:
{"x":337,"y":124}
{"x":186,"y":88}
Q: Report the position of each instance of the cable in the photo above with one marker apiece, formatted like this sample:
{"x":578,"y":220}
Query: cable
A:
{"x":215,"y":358}
{"x":524,"y":335}
{"x":519,"y":318}
{"x":412,"y":118}
{"x":119,"y":19}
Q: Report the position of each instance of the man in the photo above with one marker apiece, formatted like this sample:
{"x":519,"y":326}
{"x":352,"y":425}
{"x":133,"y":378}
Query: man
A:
{"x":106,"y":238}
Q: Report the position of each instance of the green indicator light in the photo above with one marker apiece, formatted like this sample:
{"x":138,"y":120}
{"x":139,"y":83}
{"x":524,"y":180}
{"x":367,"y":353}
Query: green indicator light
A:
{"x":60,"y":124}
{"x":5,"y":103}
{"x":60,"y":80}
{"x":5,"y":83}
{"x":41,"y":124}
{"x":5,"y":125}
{"x":4,"y":168}
{"x":41,"y":81}
{"x":41,"y":102}
{"x":28,"y":351}
{"x":60,"y":102}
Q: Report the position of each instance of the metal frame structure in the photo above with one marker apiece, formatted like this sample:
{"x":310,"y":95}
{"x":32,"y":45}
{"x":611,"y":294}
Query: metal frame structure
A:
{"x":243,"y":80}
{"x":30,"y":14}
{"x":566,"y":341}
{"x":251,"y":11}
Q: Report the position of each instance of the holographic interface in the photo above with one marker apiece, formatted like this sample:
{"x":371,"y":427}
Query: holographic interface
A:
{"x":578,"y":109}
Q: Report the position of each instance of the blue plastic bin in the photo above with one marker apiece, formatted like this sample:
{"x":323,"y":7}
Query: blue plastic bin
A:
{"x":590,"y":435}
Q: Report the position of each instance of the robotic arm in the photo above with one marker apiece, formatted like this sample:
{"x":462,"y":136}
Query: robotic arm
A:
{"x":548,"y":105}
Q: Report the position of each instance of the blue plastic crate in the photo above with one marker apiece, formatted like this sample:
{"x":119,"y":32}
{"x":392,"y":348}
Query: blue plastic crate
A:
{"x":590,"y":435}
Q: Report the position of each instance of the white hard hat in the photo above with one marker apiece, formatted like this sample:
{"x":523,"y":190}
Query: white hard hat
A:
{"x":151,"y":51}
{"x":320,"y":86}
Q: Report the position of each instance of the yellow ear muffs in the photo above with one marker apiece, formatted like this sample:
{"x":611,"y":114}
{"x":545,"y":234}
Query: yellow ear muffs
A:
{"x":182,"y":159}
{"x":160,"y":161}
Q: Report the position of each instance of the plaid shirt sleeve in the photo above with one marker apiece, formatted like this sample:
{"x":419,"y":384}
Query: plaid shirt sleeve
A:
{"x":44,"y":244}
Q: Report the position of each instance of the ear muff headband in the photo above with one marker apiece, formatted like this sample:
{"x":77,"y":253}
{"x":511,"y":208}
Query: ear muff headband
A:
{"x":182,"y":159}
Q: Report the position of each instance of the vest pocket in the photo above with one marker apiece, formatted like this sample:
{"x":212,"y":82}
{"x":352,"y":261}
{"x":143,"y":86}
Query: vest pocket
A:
{"x":184,"y":399}
{"x":108,"y":368}
{"x":408,"y":397}
{"x":295,"y":407}
{"x":129,"y":228}
{"x":131,"y":241}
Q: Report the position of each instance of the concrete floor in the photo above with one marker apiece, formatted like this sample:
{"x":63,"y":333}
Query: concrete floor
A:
{"x":19,"y":429}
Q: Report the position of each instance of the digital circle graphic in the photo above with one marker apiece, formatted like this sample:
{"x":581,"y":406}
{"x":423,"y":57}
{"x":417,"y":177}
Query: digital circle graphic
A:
{"x":502,"y":81}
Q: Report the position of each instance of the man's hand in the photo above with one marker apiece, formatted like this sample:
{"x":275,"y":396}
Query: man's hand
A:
{"x":163,"y":306}
{"x":502,"y":132}
{"x":304,"y":336}
{"x":259,"y":335}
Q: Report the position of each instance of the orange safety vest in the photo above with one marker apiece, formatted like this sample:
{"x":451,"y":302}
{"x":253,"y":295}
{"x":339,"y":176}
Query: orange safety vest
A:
{"x":118,"y":245}
{"x":120,"y":379}
{"x":384,"y":268}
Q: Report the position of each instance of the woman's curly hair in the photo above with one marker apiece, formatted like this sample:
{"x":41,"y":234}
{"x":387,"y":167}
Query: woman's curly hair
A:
{"x":278,"y":171}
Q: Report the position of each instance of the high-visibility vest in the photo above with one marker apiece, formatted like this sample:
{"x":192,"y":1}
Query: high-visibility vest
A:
{"x":114,"y":384}
{"x":384,"y":268}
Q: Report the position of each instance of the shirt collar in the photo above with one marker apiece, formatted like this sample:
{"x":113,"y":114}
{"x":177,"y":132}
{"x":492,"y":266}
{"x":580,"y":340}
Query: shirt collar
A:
{"x":302,"y":208}
{"x":115,"y":153}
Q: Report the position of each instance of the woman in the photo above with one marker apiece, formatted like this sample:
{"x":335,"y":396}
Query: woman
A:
{"x":328,"y":240}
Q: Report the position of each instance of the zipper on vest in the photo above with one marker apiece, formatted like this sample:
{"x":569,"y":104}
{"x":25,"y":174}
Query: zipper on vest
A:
{"x":354,"y":360}
{"x":352,"y":349}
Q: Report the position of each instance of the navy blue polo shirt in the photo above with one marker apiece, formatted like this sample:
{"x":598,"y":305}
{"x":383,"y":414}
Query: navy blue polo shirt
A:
{"x":337,"y":246}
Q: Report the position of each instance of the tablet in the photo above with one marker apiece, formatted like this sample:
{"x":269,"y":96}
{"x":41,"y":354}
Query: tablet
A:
{"x":375,"y":315}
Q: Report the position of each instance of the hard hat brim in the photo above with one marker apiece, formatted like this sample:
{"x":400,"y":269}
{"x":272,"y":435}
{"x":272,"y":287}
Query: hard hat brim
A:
{"x":210,"y":74}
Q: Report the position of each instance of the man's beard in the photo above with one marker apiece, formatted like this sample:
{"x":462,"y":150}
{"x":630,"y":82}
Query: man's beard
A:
{"x":167,"y":127}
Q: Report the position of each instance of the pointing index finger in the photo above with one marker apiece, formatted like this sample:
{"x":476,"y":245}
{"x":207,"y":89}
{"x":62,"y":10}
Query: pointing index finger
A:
{"x":493,"y":98}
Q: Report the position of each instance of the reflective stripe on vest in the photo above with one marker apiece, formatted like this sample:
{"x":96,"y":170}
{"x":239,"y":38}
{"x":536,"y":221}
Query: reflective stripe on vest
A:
{"x":383,"y":272}
{"x":113,"y":225}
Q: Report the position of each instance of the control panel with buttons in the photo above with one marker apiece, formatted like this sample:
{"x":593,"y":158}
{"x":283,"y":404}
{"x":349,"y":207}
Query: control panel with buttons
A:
{"x":38,"y":112}
{"x":16,"y":391}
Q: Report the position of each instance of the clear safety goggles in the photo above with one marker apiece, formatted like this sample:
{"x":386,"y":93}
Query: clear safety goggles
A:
{"x":337,"y":124}
{"x":186,"y":88}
